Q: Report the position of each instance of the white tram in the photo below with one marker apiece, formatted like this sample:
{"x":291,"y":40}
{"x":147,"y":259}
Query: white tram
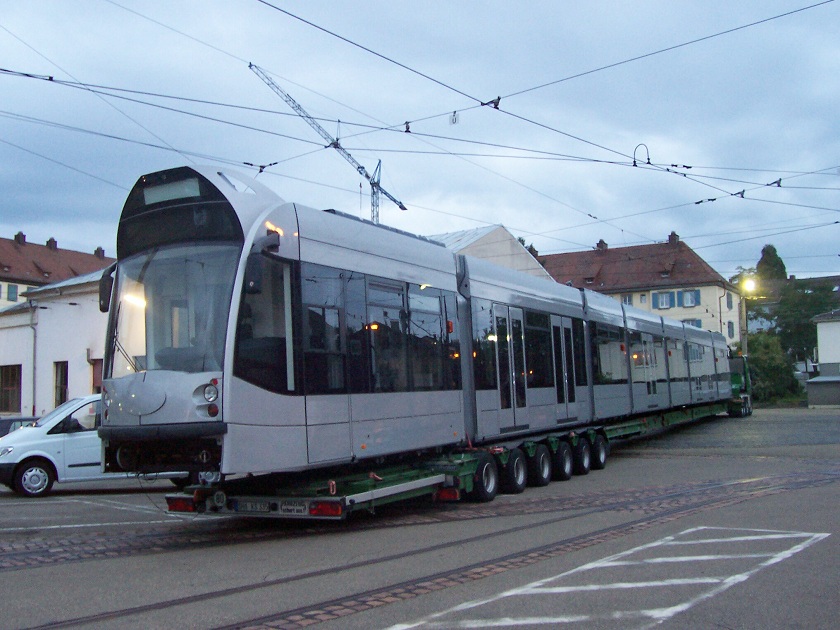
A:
{"x":250,"y":335}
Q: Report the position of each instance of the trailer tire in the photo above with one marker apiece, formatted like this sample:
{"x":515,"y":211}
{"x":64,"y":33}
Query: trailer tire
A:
{"x":600,"y":452}
{"x":34,"y":478}
{"x":539,"y":467}
{"x":582,"y":456}
{"x":562,"y":462}
{"x":485,"y":479}
{"x":515,"y":473}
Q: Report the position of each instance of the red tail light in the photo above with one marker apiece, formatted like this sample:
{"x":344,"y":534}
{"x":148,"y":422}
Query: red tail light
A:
{"x":325,"y":508}
{"x":180,"y":504}
{"x":448,"y":494}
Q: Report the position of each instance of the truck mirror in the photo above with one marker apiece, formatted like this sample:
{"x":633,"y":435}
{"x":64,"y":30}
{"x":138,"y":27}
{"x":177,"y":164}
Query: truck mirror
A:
{"x":253,"y":274}
{"x":106,"y":286}
{"x":268,"y":245}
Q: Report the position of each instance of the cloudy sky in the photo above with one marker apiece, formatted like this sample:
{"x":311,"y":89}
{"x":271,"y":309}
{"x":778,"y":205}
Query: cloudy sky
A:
{"x":620,"y":121}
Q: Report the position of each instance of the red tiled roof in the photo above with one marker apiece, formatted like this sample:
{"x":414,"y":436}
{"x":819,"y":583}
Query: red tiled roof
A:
{"x":610,"y":270}
{"x":35,"y":265}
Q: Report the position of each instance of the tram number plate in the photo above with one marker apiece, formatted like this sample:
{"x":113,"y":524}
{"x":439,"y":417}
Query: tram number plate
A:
{"x":253,"y":506}
{"x":294,"y":507}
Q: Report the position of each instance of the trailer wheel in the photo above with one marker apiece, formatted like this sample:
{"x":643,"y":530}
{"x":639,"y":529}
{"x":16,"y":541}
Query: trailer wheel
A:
{"x":562,"y":465}
{"x":34,"y":478}
{"x":600,"y":452}
{"x":582,"y":456}
{"x":515,"y":474}
{"x":485,"y":479}
{"x":539,"y":467}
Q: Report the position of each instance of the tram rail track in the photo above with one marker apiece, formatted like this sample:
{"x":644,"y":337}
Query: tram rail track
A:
{"x":654,"y":506}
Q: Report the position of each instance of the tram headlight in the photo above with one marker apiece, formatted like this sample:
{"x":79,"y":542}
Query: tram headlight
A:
{"x":211,"y":393}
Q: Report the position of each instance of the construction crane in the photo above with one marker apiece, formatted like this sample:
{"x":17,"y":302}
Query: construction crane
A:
{"x":375,"y":188}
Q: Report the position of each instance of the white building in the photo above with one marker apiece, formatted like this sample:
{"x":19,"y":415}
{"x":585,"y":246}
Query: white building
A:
{"x":495,"y":244}
{"x":51,"y":346}
{"x":825,"y":389}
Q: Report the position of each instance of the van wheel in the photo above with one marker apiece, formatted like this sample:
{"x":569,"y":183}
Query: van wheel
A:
{"x":539,"y":467}
{"x":34,"y":478}
{"x":582,"y":456}
{"x":515,"y":474}
{"x":485,"y":479}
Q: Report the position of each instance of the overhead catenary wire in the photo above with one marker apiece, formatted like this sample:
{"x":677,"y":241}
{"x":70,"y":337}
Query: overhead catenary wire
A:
{"x":470,"y":218}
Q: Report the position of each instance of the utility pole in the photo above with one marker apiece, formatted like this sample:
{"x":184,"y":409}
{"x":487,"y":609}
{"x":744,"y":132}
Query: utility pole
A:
{"x":375,"y":188}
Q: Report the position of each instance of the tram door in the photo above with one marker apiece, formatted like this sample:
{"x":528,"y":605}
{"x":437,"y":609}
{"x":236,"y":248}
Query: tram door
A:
{"x":643,"y":362}
{"x":564,"y":368}
{"x":510,"y":341}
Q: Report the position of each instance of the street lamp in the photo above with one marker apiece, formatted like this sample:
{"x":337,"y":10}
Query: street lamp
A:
{"x":748,"y":286}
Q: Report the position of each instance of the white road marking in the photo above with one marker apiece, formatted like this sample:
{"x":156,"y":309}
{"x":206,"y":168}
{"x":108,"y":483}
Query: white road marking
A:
{"x":648,"y":616}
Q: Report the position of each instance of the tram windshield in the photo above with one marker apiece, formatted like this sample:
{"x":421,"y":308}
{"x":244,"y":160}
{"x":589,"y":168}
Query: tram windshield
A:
{"x":171,"y":309}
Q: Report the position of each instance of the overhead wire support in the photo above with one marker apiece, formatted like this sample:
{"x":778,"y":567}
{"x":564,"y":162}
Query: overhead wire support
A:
{"x":375,"y":187}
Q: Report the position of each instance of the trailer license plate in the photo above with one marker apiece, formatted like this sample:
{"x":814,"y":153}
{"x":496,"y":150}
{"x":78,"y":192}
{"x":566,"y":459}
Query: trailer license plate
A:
{"x":253,"y":506}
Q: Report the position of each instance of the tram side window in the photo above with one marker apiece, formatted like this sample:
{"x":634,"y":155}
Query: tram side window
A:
{"x":452,"y":346}
{"x":358,"y":347}
{"x":609,"y":358}
{"x":484,"y":345}
{"x":641,"y":358}
{"x":538,"y":347}
{"x":579,"y":348}
{"x":722,"y":368}
{"x":660,"y":370}
{"x":323,"y":347}
{"x":264,"y":352}
{"x":695,"y":360}
{"x":387,"y":322}
{"x":426,"y":341}
{"x":558,"y":361}
{"x":677,"y":361}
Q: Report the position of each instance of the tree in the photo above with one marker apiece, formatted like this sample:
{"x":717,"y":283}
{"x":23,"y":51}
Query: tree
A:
{"x":531,"y":249}
{"x":770,"y":266}
{"x":771,"y":368}
{"x":799,"y":302}
{"x":743,"y":274}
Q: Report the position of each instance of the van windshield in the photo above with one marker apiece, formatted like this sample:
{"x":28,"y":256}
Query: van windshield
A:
{"x":61,"y":410}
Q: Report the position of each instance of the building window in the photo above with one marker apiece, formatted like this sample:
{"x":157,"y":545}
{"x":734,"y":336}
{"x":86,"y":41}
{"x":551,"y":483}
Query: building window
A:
{"x":729,"y":304}
{"x":693,"y":322}
{"x":663,"y":300}
{"x":12,"y":293}
{"x":731,"y":329}
{"x":627,"y":298}
{"x":642,"y":298}
{"x":10,"y":384}
{"x":689,"y":298}
{"x":61,"y":377}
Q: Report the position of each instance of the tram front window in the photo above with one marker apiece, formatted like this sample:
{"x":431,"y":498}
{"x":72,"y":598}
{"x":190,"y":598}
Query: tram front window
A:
{"x":172,"y":309}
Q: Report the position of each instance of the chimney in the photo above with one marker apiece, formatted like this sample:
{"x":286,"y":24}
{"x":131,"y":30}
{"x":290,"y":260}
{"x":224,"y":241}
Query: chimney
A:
{"x":52,"y":244}
{"x":602,"y":245}
{"x":673,"y":238}
{"x":99,"y":253}
{"x":20,"y":238}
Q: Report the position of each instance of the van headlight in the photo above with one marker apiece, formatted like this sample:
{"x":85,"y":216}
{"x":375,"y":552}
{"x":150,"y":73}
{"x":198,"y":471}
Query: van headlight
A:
{"x":6,"y":450}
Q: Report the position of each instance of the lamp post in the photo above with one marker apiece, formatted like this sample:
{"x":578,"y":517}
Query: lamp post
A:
{"x":747,"y":287}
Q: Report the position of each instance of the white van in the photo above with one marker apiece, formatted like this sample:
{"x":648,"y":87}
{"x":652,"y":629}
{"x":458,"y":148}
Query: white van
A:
{"x":62,"y":446}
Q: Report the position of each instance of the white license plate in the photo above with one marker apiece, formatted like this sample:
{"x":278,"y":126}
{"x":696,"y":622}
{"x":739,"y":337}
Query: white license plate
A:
{"x":253,"y":506}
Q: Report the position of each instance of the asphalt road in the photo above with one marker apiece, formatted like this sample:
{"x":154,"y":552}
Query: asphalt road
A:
{"x":727,"y":523}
